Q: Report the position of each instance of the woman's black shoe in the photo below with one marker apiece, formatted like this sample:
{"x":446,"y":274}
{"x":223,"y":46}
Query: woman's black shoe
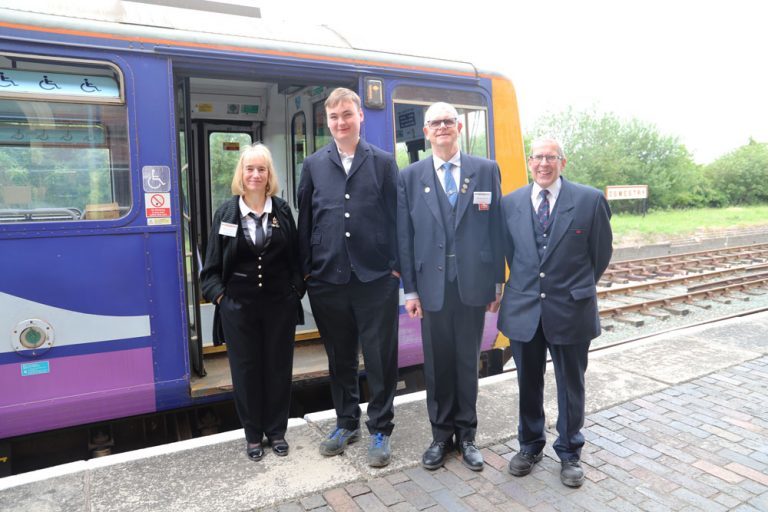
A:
{"x":255,"y":451}
{"x":280,"y":447}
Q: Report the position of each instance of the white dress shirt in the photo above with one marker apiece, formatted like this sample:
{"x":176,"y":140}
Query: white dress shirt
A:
{"x":455,"y":170}
{"x":554,"y":191}
{"x":346,"y":160}
{"x":249,"y":223}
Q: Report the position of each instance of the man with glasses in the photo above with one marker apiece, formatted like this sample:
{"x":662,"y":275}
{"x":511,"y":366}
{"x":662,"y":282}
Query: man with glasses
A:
{"x":557,"y":240}
{"x":450,"y":254}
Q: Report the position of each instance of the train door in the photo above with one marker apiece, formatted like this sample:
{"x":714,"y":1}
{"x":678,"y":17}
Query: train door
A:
{"x":190,"y":228}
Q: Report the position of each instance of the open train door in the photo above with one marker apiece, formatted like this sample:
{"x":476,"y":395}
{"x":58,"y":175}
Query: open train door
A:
{"x":189,"y":229}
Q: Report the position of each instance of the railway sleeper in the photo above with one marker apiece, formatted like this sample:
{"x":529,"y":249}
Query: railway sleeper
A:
{"x":655,"y":313}
{"x":739,"y":295}
{"x":720,"y":299}
{"x":701,"y":304}
{"x":676,"y":309}
{"x":632,"y":320}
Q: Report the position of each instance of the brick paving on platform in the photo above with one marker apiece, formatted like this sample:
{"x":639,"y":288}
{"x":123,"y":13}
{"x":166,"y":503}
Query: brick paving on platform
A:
{"x":697,"y":446}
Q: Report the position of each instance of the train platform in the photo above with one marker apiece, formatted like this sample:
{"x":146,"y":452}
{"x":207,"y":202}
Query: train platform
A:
{"x":676,"y":421}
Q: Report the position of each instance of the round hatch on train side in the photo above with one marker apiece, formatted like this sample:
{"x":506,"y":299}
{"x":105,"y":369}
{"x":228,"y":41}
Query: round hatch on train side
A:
{"x":32,"y":337}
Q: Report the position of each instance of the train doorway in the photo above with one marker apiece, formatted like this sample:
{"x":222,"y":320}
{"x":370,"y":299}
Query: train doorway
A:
{"x":217,"y":118}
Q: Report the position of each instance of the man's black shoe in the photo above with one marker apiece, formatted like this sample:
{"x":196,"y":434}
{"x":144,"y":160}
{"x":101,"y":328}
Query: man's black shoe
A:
{"x":522,"y":463}
{"x":280,"y":447}
{"x":471,"y":456}
{"x":434,"y":457}
{"x":254,"y":451}
{"x":571,"y":473}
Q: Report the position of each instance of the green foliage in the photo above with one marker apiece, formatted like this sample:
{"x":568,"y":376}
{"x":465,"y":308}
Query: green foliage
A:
{"x":739,"y":177}
{"x":602,"y":149}
{"x":57,"y":176}
{"x":223,"y":162}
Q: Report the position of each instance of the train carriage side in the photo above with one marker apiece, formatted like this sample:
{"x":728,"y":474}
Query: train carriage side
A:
{"x":113,"y":156}
{"x":90,"y":293}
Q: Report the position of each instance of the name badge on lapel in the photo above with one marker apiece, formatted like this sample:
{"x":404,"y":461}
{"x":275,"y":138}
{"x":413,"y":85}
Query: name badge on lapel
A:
{"x":482,"y":200}
{"x":227,"y":229}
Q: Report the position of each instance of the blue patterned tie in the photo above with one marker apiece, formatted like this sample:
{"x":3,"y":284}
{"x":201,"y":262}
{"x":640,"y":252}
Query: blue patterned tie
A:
{"x":543,"y":211}
{"x":450,"y":184}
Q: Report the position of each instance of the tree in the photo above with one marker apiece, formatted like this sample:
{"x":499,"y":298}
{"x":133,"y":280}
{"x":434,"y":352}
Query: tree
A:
{"x":739,"y":177}
{"x":603,"y":149}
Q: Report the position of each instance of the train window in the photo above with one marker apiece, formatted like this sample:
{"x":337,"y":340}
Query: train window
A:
{"x":298,"y":148}
{"x":63,"y":141}
{"x":225,"y":150}
{"x":411,"y":102}
{"x":321,"y":132}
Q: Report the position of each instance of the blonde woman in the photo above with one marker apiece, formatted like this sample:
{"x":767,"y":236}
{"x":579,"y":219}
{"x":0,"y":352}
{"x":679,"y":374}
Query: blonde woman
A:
{"x":252,"y":274}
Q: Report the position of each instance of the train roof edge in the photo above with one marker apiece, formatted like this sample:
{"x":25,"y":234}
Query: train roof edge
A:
{"x":161,"y":25}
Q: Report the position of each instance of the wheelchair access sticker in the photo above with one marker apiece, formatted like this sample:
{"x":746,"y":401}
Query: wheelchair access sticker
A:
{"x":156,"y":178}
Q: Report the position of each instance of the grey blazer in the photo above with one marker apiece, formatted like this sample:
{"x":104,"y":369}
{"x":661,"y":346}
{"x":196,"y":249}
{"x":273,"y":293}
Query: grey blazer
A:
{"x":421,"y":234}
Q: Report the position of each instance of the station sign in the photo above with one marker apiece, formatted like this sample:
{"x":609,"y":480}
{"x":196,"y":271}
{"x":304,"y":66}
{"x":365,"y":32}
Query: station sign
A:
{"x":614,"y":192}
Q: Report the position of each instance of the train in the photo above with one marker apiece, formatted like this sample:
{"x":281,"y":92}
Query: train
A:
{"x":120,"y":126}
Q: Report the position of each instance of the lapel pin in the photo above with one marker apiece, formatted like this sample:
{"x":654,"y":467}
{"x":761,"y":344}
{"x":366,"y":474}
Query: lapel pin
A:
{"x":426,"y":190}
{"x":466,"y":180}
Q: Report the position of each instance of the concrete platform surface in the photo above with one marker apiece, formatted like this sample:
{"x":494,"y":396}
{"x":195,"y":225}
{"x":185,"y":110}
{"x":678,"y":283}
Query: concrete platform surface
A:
{"x":677,"y":421}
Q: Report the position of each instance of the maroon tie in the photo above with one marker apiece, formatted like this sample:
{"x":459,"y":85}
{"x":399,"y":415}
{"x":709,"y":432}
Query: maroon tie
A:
{"x":543,"y":211}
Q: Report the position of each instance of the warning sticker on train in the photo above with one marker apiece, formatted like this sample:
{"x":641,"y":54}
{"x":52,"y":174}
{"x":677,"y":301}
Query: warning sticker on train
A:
{"x":157,"y":205}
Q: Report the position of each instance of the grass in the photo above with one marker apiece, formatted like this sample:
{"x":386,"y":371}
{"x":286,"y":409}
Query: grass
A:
{"x":632,"y":229}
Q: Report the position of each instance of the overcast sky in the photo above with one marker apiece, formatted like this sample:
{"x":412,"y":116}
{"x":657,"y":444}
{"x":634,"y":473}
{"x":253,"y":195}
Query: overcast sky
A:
{"x":698,"y":70}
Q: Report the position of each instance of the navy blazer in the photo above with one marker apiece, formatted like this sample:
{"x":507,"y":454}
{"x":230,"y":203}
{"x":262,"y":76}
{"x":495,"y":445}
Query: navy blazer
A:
{"x":560,"y":288}
{"x":421,"y":234}
{"x":348,"y":221}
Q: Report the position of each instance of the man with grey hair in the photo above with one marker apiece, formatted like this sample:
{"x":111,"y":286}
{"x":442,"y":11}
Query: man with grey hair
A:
{"x":557,"y":241}
{"x":452,"y":266}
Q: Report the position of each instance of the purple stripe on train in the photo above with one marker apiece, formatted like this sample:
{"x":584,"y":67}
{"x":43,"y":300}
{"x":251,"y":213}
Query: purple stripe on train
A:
{"x":75,"y":390}
{"x":410,"y":339}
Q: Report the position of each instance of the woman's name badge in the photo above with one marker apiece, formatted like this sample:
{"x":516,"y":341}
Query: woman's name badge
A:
{"x":228,"y":229}
{"x":482,"y":200}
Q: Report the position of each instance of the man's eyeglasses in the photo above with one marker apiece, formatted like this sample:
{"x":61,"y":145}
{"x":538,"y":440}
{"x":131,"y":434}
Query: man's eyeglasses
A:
{"x":437,"y":123}
{"x":548,"y":158}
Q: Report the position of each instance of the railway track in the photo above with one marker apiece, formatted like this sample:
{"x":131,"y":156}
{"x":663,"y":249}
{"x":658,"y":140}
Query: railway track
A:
{"x":632,"y":291}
